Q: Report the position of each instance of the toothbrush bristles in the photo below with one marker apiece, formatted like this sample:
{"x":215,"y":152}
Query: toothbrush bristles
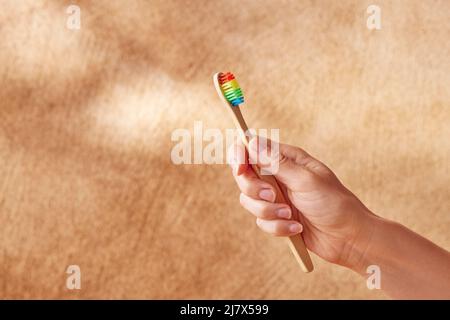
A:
{"x":231,"y":89}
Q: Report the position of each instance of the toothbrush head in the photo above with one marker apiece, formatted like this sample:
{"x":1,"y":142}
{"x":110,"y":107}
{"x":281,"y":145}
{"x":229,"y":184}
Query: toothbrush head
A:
{"x":230,"y":89}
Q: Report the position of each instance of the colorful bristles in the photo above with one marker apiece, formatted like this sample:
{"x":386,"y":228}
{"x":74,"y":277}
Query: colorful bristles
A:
{"x":231,"y":89}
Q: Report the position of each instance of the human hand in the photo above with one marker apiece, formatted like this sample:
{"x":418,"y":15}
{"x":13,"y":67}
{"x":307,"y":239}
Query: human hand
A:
{"x":331,"y":218}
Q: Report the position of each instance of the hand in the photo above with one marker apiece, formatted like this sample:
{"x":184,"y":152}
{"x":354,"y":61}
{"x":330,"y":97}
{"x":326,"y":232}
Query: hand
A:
{"x":331,"y":218}
{"x":335,"y":224}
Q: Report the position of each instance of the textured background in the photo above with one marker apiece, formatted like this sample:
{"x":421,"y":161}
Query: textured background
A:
{"x":85,"y":136}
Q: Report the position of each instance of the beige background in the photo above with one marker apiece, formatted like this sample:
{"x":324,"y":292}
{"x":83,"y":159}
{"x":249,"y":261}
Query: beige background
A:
{"x":85,"y":136}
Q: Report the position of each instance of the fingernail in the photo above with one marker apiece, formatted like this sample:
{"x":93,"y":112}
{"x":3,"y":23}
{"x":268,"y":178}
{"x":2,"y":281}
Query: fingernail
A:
{"x":284,"y":213}
{"x":267,"y":194}
{"x":295,"y":228}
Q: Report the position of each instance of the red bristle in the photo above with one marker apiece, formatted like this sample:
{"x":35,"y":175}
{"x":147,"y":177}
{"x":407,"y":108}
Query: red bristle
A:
{"x":225,"y":77}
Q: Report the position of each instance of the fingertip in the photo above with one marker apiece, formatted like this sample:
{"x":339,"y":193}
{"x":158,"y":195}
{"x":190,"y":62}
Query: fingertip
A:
{"x":267,"y":194}
{"x":238,"y":165}
{"x":280,"y":228}
{"x":284,"y":213}
{"x":295,"y":228}
{"x":235,"y":152}
{"x":258,"y":222}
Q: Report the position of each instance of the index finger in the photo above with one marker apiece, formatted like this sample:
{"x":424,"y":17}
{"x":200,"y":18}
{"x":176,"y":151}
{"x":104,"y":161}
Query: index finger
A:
{"x":237,"y":157}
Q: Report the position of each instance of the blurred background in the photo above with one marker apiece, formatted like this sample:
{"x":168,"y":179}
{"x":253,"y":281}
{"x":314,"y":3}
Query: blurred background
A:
{"x":86,"y":118}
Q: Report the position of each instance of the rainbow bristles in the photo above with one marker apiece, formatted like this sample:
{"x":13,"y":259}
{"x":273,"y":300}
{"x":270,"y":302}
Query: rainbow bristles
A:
{"x":231,"y":89}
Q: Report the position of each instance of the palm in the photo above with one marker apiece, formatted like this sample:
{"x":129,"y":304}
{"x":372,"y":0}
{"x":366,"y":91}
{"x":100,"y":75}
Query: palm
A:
{"x":328,"y":225}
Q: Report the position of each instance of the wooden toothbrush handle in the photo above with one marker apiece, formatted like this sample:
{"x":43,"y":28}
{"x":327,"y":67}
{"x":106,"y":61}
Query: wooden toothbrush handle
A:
{"x":295,"y":242}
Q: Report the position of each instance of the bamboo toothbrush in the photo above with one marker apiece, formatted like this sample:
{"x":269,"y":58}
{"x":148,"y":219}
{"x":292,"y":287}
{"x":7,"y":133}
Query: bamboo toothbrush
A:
{"x":231,"y":95}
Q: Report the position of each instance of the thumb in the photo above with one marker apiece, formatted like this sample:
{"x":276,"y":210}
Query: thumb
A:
{"x":287,"y":163}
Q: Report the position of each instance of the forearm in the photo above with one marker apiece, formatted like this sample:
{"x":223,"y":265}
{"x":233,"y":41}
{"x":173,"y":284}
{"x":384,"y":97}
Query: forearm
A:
{"x":411,"y":266}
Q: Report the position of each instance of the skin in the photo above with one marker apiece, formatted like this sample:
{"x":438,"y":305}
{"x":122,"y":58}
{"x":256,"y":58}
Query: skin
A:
{"x":335,"y":224}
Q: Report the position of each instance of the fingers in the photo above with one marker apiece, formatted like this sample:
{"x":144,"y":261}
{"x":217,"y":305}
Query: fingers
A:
{"x":237,"y":158}
{"x":258,"y":197}
{"x":287,"y":163}
{"x":255,"y":188}
{"x":280,"y":228}
{"x":264,"y":209}
{"x":272,"y":218}
{"x":246,"y":179}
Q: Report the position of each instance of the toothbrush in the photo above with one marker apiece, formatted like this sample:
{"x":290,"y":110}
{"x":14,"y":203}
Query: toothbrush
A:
{"x":231,"y":95}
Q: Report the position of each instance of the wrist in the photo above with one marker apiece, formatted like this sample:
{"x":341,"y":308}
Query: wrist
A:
{"x":358,"y":253}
